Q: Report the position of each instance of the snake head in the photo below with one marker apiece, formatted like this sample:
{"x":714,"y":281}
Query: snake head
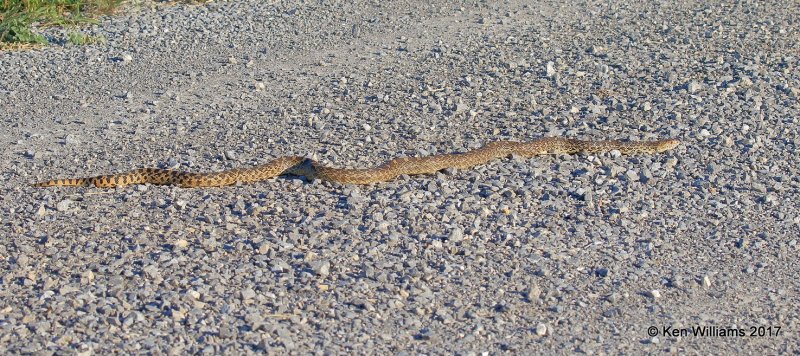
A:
{"x":668,"y":144}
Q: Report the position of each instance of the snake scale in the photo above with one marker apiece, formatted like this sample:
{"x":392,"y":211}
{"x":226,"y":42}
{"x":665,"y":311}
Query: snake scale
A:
{"x":301,"y":166}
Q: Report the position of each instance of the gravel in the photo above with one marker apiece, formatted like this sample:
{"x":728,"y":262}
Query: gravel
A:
{"x":574,"y":254}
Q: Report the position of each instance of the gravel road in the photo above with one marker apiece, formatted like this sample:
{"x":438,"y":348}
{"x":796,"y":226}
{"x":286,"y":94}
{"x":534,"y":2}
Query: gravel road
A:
{"x":572,"y":254}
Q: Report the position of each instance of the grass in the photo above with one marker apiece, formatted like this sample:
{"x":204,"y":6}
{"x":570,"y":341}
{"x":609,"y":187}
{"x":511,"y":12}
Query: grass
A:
{"x":78,"y":38}
{"x":17,"y":17}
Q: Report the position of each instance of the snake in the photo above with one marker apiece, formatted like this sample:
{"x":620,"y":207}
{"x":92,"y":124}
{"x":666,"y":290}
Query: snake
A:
{"x":311,"y":169}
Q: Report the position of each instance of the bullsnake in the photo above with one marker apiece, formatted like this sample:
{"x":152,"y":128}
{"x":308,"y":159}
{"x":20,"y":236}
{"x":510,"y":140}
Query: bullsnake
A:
{"x":301,"y":166}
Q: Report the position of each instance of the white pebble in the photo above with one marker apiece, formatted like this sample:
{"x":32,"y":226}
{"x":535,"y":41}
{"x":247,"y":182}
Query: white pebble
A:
{"x":541,"y":329}
{"x":181,"y":204}
{"x":550,"y":70}
{"x":63,"y":205}
{"x":71,"y":140}
{"x":457,"y":235}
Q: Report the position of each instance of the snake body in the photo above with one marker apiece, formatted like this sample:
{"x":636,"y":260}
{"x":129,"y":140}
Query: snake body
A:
{"x":301,"y":166}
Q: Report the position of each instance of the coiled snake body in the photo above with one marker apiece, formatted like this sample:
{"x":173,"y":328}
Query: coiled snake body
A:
{"x":301,"y":166}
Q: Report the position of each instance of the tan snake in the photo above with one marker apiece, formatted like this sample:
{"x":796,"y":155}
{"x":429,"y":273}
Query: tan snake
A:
{"x":301,"y":166}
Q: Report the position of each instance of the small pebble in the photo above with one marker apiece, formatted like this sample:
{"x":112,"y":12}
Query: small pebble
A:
{"x":64,"y":205}
{"x":456,"y":235}
{"x":550,"y":70}
{"x":706,"y":281}
{"x":541,"y":329}
{"x":321,"y":268}
{"x":71,"y":140}
{"x":248,"y":293}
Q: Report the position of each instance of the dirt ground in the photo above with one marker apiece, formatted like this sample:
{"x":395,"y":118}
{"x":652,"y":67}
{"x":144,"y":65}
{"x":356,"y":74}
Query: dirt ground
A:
{"x":691,"y":250}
